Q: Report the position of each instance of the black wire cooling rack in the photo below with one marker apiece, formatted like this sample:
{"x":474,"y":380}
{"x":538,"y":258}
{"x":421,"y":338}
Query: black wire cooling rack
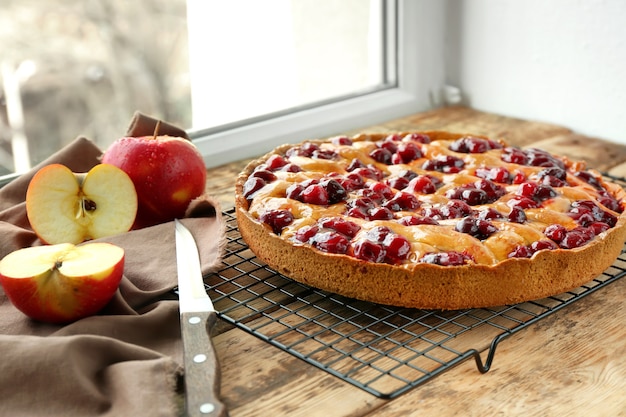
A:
{"x":383,"y":350}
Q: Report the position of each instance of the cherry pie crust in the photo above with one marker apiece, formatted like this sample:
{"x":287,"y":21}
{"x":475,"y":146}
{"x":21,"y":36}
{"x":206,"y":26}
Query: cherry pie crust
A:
{"x":430,"y":220}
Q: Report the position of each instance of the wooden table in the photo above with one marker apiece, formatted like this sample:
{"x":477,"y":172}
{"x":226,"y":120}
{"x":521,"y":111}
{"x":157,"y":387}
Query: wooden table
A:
{"x":571,"y":363}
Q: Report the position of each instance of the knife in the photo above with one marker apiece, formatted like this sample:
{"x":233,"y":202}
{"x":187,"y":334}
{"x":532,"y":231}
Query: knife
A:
{"x":197,"y":318}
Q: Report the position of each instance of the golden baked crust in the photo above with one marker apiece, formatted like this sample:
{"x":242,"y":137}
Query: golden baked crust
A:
{"x":489,"y":275}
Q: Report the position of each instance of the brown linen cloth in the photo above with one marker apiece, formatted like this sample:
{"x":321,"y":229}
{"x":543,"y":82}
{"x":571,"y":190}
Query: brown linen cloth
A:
{"x":124,"y":361}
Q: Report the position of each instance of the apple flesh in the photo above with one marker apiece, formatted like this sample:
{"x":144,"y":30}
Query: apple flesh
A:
{"x":62,"y":283}
{"x":67,"y":207}
{"x":168,"y":173}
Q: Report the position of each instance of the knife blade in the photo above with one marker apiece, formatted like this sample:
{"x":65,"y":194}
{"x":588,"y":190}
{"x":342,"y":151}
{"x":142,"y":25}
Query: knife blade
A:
{"x":197,"y":318}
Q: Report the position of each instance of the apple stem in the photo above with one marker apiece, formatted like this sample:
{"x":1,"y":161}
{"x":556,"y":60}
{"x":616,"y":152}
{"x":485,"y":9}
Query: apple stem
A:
{"x":58,"y":264}
{"x":156,"y":129}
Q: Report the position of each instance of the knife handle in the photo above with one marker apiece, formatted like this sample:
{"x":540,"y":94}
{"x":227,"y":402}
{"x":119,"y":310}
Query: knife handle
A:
{"x":202,"y":369}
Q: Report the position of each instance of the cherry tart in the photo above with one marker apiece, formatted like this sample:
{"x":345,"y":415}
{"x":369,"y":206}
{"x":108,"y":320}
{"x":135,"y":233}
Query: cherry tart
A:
{"x":431,"y":220}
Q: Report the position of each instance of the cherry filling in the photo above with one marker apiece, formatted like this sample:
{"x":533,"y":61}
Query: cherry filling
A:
{"x":531,"y":157}
{"x":423,"y":184}
{"x":477,"y":193}
{"x":330,"y":234}
{"x":526,"y":251}
{"x":449,"y":258}
{"x":396,"y":150}
{"x":471,"y":144}
{"x":553,"y":177}
{"x":319,"y":192}
{"x":370,"y":171}
{"x":277,"y":220}
{"x":453,"y":209}
{"x":479,"y":228}
{"x":586,"y":212}
{"x":380,"y":244}
{"x":444,"y":163}
{"x":311,"y":150}
{"x":252,"y":185}
{"x":401,"y":180}
{"x":496,"y":174}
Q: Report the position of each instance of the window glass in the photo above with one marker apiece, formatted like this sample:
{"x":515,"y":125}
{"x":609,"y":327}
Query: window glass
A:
{"x":74,"y":67}
{"x":250,"y":58}
{"x":83,"y":67}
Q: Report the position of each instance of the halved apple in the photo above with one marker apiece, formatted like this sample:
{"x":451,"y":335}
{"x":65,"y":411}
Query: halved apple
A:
{"x":62,"y":283}
{"x":67,"y":207}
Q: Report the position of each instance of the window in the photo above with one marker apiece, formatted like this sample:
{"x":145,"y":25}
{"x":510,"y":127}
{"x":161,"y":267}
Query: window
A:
{"x":83,"y":67}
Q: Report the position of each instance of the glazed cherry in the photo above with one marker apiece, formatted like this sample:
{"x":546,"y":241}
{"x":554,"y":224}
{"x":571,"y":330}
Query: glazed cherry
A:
{"x":522,"y":202}
{"x":252,"y":185}
{"x":415,"y":220}
{"x":341,"y":141}
{"x":589,"y":179}
{"x":277,"y":219}
{"x":369,"y":251}
{"x":489,"y":213}
{"x":354,"y":164}
{"x":543,"y":245}
{"x":599,"y":227}
{"x":480,"y":229}
{"x":402,"y":202}
{"x":335,"y":191}
{"x":389,"y":143}
{"x":369,"y":171}
{"x":399,"y":183}
{"x":266,"y":175}
{"x":384,"y":190}
{"x":378,"y":233}
{"x":338,"y":224}
{"x":294,"y":191}
{"x":291,"y":168}
{"x":331,"y":242}
{"x":381,"y":155}
{"x":477,"y":193}
{"x":586,"y":212}
{"x":275,"y":162}
{"x":514,"y":156}
{"x":450,"y":258}
{"x":454,"y":209}
{"x":497,"y":174}
{"x":305,"y":150}
{"x":521,"y":251}
{"x":527,"y":189}
{"x":423,"y":184}
{"x":576,"y":238}
{"x":406,"y":152}
{"x":554,"y":177}
{"x":417,"y":137}
{"x":306,"y":233}
{"x":555,"y":232}
{"x":397,"y":248}
{"x":541,"y":158}
{"x":517,"y":215}
{"x":379,"y":213}
{"x":609,"y":201}
{"x":537,"y":192}
{"x":314,"y":194}
{"x":444,"y":163}
{"x":470,"y":144}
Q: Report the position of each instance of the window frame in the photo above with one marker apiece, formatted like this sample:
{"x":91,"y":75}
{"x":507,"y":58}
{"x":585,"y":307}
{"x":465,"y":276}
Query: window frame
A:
{"x":418,"y":76}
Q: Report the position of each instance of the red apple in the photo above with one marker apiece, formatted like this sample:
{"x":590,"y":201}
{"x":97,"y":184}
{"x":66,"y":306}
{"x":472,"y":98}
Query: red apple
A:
{"x":67,"y":207}
{"x":168,"y":172}
{"x":62,"y":283}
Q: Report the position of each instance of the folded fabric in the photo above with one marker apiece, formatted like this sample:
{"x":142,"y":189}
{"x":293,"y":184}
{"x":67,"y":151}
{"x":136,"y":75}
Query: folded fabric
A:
{"x":124,"y":361}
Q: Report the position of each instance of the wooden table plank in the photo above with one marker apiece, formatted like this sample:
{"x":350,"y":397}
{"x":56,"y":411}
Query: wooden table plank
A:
{"x":570,"y":363}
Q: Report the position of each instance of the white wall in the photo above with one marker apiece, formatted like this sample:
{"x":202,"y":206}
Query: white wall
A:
{"x":558,"y":61}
